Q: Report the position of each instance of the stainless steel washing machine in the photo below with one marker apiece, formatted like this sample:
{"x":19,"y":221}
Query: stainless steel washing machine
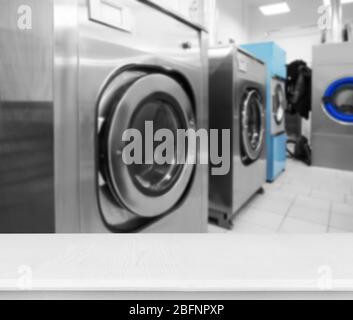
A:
{"x":71,"y":85}
{"x":237,"y":102}
{"x":332,"y":120}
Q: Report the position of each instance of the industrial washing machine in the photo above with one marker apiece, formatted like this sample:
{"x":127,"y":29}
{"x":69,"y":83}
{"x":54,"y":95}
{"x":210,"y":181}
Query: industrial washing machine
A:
{"x":71,"y":85}
{"x":276,"y":136}
{"x":332,"y":122}
{"x":237,"y":103}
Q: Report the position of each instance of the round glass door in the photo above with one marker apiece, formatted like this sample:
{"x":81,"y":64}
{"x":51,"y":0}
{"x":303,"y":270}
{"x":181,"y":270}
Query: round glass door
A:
{"x":338,"y":101}
{"x":150,"y":104}
{"x":162,"y":110}
{"x":279,"y":104}
{"x":253,"y":126}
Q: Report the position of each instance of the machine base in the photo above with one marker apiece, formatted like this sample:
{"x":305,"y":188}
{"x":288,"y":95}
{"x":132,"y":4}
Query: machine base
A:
{"x":225,"y":220}
{"x":276,"y":157}
{"x":221,"y":219}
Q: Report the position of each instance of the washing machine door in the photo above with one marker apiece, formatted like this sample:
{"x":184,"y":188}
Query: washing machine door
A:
{"x":153,"y":186}
{"x":279,"y":104}
{"x":338,"y":101}
{"x":252,"y":126}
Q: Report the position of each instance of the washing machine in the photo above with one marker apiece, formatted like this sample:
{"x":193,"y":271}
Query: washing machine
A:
{"x":348,"y":32}
{"x":276,"y":138}
{"x":237,"y":103}
{"x":332,"y":119}
{"x":84,"y":75}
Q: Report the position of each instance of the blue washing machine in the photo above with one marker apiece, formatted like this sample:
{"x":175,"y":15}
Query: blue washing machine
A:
{"x":276,"y":137}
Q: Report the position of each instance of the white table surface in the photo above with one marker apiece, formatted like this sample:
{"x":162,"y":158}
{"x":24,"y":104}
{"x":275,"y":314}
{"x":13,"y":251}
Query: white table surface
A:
{"x":176,"y":263}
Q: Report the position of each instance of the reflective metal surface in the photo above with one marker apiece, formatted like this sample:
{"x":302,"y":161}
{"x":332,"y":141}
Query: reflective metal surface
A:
{"x":331,"y":140}
{"x":26,"y":120}
{"x":233,"y":73}
{"x":192,"y":12}
{"x":335,"y":32}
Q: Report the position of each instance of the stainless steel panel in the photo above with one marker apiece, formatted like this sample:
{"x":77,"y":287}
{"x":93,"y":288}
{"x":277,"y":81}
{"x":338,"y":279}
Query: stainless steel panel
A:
{"x":192,"y":12}
{"x":335,"y":32}
{"x":26,"y":119}
{"x":222,"y":109}
{"x":111,"y":13}
{"x":333,"y":151}
{"x":276,"y":128}
{"x":332,"y":54}
{"x":247,"y":180}
{"x":67,"y":197}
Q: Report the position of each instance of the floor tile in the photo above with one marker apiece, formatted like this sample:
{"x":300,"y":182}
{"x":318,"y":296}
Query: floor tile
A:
{"x":272,"y":186}
{"x":302,"y":200}
{"x":260,"y":218}
{"x":297,"y":189}
{"x":328,"y":196}
{"x":214,"y":229}
{"x":284,"y":178}
{"x":313,"y":215}
{"x":341,"y":221}
{"x":282,"y":193}
{"x":345,"y":175}
{"x":243,"y":227}
{"x":336,"y":230}
{"x":306,"y":201}
{"x":295,"y":226}
{"x":273,"y":203}
{"x":337,"y":189}
{"x":340,"y":208}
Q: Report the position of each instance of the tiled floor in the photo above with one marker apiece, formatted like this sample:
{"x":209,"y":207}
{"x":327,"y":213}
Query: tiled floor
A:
{"x":303,"y":200}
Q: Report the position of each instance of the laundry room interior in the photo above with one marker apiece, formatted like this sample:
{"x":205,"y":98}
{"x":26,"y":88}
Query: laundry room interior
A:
{"x":312,"y":194}
{"x":85,"y":83}
{"x":309,"y":192}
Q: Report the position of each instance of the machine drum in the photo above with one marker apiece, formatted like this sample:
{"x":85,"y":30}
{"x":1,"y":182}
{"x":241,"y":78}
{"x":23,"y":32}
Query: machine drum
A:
{"x":162,"y":110}
{"x":279,"y":106}
{"x":252,"y":127}
{"x":338,"y":101}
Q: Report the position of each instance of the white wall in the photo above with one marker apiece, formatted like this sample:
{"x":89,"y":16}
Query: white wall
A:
{"x":298,"y":45}
{"x":226,"y":19}
{"x":231,"y":21}
{"x":296,"y":32}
